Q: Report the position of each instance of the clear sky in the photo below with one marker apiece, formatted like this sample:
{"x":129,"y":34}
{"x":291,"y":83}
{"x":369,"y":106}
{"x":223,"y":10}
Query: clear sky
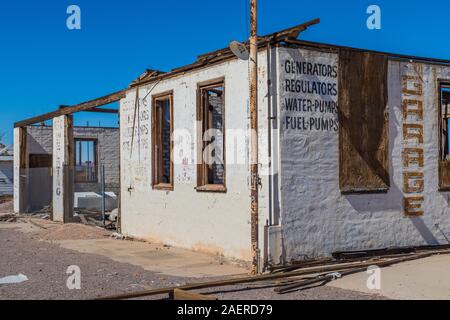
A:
{"x":44,"y":65}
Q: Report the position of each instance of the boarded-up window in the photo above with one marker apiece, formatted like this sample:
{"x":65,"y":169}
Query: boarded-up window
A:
{"x":444,"y":124}
{"x":162,"y":127}
{"x":363,"y":138}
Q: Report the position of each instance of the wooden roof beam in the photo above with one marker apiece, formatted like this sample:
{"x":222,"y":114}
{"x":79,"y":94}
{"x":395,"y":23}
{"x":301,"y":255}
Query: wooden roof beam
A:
{"x":85,"y":106}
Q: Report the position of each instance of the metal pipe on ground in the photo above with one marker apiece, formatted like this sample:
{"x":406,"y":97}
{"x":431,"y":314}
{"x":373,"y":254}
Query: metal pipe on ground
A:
{"x":342,"y":273}
{"x":252,"y":279}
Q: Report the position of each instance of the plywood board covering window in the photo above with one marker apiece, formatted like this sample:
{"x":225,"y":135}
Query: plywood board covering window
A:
{"x":444,"y":126}
{"x":211,"y":171}
{"x":162,"y":146}
{"x":363,"y":136}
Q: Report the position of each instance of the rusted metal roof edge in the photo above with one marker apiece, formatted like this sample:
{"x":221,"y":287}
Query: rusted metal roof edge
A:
{"x":221,"y":55}
{"x":225,"y":54}
{"x":280,"y":38}
{"x":336,"y":48}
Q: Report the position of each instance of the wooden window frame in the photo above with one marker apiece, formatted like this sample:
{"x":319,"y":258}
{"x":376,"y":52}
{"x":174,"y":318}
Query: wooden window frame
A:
{"x":444,"y":164}
{"x":81,"y":139}
{"x":201,"y":167}
{"x":156,"y":185}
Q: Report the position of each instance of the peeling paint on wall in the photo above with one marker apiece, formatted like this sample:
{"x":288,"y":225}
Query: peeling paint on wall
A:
{"x":413,"y":140}
{"x":220,"y":222}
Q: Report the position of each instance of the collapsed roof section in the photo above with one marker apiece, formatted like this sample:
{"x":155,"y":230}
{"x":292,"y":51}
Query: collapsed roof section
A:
{"x":221,"y":55}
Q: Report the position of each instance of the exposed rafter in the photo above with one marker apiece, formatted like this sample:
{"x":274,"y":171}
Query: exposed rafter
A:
{"x":85,"y":106}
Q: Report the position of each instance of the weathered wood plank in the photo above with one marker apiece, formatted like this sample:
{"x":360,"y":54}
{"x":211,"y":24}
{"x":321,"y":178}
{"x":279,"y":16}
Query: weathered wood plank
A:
{"x":183,"y":295}
{"x":85,"y":106}
{"x":364,"y":124}
{"x":444,"y":175}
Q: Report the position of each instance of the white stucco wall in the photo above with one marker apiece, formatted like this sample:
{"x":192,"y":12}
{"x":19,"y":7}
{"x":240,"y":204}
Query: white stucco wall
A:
{"x":217,"y":223}
{"x":316,"y":218}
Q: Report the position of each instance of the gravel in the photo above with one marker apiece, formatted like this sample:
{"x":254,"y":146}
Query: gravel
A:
{"x":45,"y":264}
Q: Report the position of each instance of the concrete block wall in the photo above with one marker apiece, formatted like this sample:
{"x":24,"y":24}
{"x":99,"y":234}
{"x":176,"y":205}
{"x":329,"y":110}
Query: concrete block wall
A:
{"x":108,"y":153}
{"x":40,"y":141}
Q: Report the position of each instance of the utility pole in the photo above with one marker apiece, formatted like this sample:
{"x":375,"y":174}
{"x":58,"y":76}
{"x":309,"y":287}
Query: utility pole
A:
{"x":254,"y":176}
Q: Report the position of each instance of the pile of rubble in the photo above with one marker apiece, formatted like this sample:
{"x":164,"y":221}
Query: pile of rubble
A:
{"x":8,"y":217}
{"x":44,"y":213}
{"x":96,"y":218}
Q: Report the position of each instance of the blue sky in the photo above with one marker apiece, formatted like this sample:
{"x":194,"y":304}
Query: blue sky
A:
{"x":44,"y":65}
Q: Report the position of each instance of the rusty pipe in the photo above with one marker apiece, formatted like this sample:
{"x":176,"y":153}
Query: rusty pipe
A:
{"x":254,"y":176}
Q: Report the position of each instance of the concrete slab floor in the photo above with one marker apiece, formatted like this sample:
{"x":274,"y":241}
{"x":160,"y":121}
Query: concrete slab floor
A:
{"x":427,"y":279}
{"x":157,"y":258}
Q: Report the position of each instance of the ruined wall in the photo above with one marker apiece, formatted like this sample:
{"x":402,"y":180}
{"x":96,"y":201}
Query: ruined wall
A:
{"x":217,"y":223}
{"x":108,"y":155}
{"x":316,"y":218}
{"x":40,"y":141}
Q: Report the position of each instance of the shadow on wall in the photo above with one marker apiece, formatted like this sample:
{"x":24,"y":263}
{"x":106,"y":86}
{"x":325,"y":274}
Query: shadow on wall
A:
{"x":424,"y":231}
{"x":34,"y":147}
{"x":386,"y":201}
{"x":392,"y":201}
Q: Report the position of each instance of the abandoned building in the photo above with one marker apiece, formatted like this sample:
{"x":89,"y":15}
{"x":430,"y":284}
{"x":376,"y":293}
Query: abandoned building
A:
{"x":353,"y":149}
{"x":6,"y":171}
{"x":93,"y":146}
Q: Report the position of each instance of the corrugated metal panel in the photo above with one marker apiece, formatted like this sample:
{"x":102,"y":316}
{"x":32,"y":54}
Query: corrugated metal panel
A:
{"x":6,"y":178}
{"x":364,"y":133}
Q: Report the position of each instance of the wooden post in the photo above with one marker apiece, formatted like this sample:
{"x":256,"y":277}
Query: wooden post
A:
{"x":20,"y":166}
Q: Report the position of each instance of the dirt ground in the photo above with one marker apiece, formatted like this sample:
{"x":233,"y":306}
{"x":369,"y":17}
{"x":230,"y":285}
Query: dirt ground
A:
{"x":414,"y":280}
{"x":44,"y":250}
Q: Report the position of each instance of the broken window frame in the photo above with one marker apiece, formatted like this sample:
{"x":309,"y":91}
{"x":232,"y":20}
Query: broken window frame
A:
{"x":202,"y":168}
{"x":157,"y":169}
{"x":95,"y":159}
{"x":444,"y":137}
